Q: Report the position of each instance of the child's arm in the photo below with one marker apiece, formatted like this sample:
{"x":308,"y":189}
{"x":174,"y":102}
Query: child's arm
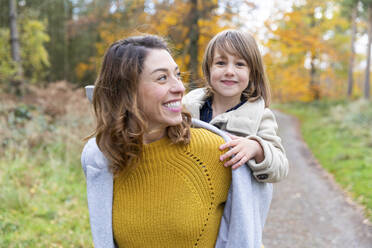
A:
{"x":274,"y":165}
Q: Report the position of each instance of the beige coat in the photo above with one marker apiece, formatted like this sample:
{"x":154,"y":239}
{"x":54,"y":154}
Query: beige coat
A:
{"x":254,"y":121}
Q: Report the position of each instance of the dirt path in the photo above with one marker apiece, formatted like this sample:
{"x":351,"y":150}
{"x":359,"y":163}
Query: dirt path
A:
{"x":309,"y":210}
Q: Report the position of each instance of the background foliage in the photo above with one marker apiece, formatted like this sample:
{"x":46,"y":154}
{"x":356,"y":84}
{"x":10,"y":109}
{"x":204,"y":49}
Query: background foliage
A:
{"x":310,"y":56}
{"x":42,"y":203}
{"x":306,"y":48}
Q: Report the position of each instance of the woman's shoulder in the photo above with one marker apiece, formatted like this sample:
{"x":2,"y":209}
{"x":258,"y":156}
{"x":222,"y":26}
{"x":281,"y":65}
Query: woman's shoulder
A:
{"x":92,"y":155}
{"x":204,"y":148}
{"x":203,"y":139}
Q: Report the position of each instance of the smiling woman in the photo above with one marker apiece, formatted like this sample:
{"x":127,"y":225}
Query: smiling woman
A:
{"x":152,"y":181}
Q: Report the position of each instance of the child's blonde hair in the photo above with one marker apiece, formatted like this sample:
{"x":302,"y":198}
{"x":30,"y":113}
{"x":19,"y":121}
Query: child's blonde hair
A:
{"x":243,"y":45}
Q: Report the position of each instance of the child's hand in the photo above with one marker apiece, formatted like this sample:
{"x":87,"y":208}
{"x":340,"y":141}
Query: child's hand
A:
{"x":244,"y":149}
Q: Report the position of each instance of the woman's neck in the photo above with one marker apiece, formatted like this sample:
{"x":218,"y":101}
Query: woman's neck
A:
{"x":222,"y":104}
{"x":153,"y":135}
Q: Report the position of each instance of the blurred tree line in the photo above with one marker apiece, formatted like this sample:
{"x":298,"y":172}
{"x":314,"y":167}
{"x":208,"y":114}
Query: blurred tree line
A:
{"x":309,"y":51}
{"x":66,"y":39}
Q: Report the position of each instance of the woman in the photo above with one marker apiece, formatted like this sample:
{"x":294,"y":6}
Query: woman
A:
{"x":152,"y":181}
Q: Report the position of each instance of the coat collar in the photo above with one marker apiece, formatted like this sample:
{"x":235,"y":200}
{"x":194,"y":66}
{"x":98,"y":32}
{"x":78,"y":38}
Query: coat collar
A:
{"x":244,"y":120}
{"x":194,"y":101}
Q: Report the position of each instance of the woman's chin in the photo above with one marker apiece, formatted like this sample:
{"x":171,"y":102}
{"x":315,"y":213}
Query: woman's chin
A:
{"x":175,"y":121}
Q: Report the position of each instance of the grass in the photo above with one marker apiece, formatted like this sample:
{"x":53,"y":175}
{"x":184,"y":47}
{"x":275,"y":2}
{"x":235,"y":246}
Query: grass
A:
{"x":43,"y":195}
{"x":340,"y":136}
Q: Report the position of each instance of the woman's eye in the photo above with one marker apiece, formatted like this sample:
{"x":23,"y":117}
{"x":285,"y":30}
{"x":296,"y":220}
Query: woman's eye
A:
{"x":178,"y":75}
{"x":162,"y":77}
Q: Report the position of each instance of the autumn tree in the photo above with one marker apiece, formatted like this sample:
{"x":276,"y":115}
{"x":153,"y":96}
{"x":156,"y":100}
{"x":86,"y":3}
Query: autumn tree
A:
{"x":307,"y":53}
{"x":188,"y":25}
{"x":367,"y":4}
{"x":350,"y":10}
{"x":193,"y":34}
{"x":79,"y":31}
{"x":33,"y":56}
{"x":72,"y":29}
{"x":14,"y":40}
{"x":34,"y":52}
{"x":56,"y":14}
{"x":106,"y":22}
{"x":183,"y":22}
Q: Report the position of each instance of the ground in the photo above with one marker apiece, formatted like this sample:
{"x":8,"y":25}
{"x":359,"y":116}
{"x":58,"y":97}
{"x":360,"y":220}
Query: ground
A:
{"x":309,"y":209}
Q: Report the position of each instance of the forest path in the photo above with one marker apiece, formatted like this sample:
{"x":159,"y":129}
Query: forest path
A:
{"x":308,"y":209}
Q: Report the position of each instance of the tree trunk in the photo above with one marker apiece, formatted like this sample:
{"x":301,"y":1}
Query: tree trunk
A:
{"x":366,"y":80}
{"x":14,"y":40}
{"x":194,"y":34}
{"x":66,"y":59}
{"x":352,"y":55}
{"x":314,"y":85}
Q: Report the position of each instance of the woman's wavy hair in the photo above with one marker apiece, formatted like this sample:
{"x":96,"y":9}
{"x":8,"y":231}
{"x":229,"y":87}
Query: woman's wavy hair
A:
{"x":120,"y":124}
{"x":243,"y":45}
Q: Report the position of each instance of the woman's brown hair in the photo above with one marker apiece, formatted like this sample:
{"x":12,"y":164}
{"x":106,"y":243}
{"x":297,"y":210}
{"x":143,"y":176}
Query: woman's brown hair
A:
{"x":120,"y":125}
{"x":242,"y":45}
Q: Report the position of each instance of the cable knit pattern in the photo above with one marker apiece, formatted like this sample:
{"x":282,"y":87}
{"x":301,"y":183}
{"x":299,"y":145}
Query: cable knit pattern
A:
{"x":173,"y":196}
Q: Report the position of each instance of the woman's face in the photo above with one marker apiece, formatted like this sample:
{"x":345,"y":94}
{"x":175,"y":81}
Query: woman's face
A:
{"x":160,"y":91}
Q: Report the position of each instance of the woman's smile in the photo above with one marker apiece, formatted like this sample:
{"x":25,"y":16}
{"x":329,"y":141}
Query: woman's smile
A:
{"x":174,"y":106}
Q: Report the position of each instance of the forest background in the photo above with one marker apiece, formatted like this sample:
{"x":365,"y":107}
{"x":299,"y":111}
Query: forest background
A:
{"x":317,"y":56}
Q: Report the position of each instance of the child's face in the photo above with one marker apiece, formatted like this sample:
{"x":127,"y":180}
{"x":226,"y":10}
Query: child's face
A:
{"x":229,"y":75}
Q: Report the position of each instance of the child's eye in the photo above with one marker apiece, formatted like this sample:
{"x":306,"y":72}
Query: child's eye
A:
{"x":220,"y":62}
{"x":240,"y":64}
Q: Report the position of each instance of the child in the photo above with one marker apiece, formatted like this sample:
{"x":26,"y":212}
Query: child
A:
{"x":235,"y":100}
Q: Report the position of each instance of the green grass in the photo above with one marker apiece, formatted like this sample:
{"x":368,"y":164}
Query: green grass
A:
{"x":42,"y":203}
{"x":42,"y":186}
{"x":340,"y":136}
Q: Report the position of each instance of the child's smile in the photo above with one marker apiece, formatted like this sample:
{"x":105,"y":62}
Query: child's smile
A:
{"x":229,"y":82}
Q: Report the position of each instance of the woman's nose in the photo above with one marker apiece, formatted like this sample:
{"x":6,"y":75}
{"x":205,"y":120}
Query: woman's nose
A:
{"x":178,"y":86}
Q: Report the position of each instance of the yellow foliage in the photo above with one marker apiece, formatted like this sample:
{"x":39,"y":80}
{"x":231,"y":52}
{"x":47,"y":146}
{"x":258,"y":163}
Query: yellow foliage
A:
{"x":81,"y":69}
{"x":168,"y":19}
{"x":307,"y":37}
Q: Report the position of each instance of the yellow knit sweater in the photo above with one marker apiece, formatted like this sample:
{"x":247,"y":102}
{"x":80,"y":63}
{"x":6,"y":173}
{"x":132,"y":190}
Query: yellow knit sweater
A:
{"x":173,"y":196}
